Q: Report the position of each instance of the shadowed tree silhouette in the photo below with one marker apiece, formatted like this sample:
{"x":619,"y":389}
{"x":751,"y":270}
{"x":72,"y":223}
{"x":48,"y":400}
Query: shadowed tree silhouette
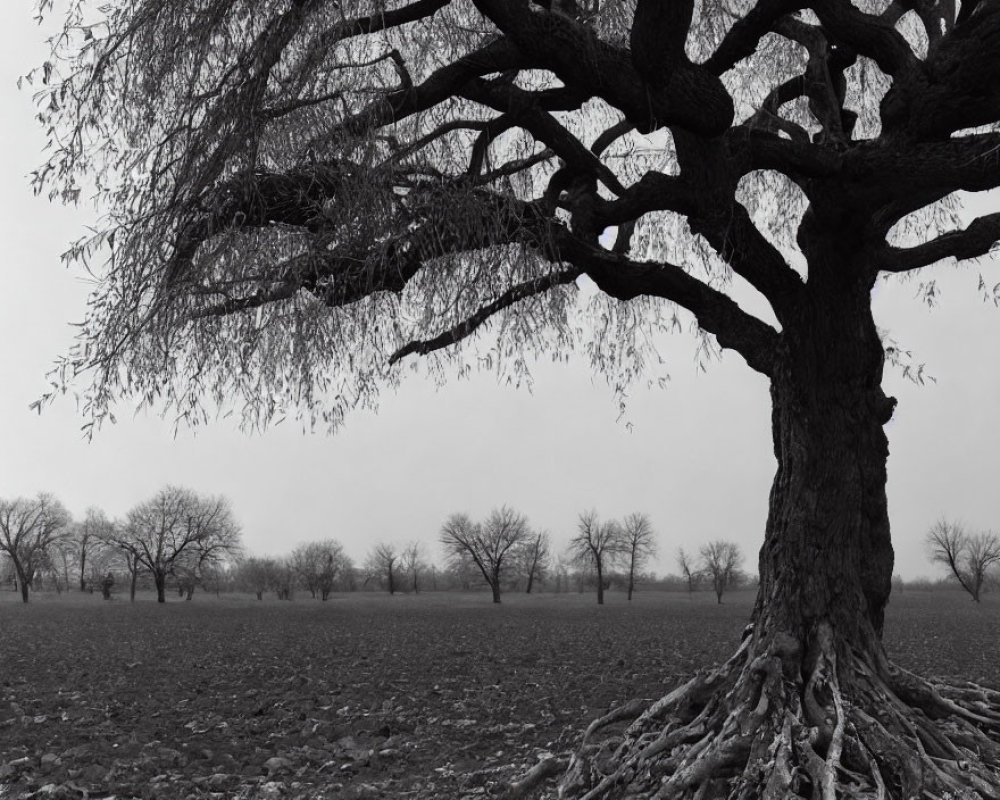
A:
{"x":298,"y":198}
{"x":968,"y":556}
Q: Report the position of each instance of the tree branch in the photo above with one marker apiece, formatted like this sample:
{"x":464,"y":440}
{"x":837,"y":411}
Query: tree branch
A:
{"x":466,"y":328}
{"x":976,"y":240}
{"x":693,"y":99}
{"x":715,"y":312}
{"x":743,"y":38}
{"x":868,"y":35}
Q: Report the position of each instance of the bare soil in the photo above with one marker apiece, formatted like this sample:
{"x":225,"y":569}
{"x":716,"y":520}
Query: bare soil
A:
{"x":367,"y":696}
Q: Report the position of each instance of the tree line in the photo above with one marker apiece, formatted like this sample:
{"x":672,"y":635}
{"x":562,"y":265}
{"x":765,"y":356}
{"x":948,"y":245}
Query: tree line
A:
{"x":177,"y":535}
{"x":186,"y":540}
{"x":181,"y":540}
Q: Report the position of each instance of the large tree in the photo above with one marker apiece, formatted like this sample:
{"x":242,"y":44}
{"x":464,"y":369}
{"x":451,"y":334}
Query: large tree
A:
{"x":300,"y":193}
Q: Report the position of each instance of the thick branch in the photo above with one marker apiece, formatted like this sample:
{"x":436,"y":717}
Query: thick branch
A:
{"x":868,"y":35}
{"x":959,"y":85}
{"x":694,"y":99}
{"x":745,"y":35}
{"x":904,"y":177}
{"x":715,"y":312}
{"x":520,"y":106}
{"x":659,"y":31}
{"x":976,"y":240}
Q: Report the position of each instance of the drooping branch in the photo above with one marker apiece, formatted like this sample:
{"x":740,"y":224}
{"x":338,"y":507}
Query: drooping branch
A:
{"x":976,"y":240}
{"x":469,"y":326}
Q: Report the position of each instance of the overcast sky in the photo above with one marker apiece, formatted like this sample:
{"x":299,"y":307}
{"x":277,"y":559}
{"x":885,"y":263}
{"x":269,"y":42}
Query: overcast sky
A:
{"x":697,"y":457}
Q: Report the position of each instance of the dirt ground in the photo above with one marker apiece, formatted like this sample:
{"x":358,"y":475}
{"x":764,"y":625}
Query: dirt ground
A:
{"x":367,"y":696}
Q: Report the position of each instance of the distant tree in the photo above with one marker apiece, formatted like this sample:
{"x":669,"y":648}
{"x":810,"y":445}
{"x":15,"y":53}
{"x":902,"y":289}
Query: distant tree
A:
{"x":533,"y":558}
{"x":178,"y":532}
{"x":319,"y":565}
{"x":689,"y":570}
{"x":968,"y":556}
{"x":256,"y":575}
{"x":334,"y":564}
{"x":29,"y":529}
{"x":412,"y":564}
{"x":383,"y":564}
{"x":88,"y":535}
{"x":638,"y":545}
{"x":595,"y":547}
{"x":489,"y":544}
{"x":721,"y":561}
{"x":283,"y":578}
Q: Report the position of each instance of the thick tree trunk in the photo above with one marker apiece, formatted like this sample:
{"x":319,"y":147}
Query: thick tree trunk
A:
{"x":161,"y":588}
{"x":810,"y":706}
{"x":495,"y":588}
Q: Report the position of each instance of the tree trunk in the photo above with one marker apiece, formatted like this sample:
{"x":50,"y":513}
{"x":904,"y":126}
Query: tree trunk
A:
{"x":22,"y":581}
{"x":131,"y":587}
{"x":531,"y":580}
{"x":810,"y":696}
{"x":631,"y":579}
{"x":161,"y":587}
{"x":495,"y":586}
{"x":600,"y":582}
{"x":83,"y":564}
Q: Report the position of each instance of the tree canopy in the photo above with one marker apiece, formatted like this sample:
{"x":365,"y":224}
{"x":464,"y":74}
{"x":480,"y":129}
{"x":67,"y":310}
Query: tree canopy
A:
{"x":297,"y":195}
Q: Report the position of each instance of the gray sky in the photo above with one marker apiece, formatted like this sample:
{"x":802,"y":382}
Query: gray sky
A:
{"x":697,"y":458}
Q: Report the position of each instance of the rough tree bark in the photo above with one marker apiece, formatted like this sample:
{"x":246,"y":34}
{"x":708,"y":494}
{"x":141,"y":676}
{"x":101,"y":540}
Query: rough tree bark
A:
{"x":810,"y":705}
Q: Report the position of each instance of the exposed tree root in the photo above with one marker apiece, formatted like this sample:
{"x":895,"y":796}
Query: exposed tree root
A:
{"x":775,"y":722}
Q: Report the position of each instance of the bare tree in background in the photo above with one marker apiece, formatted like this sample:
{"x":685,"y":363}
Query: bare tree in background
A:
{"x":29,"y":529}
{"x":383,"y":564}
{"x":689,"y":570}
{"x":88,"y":535}
{"x":721,"y":561}
{"x":595,"y":547}
{"x":490,"y":544}
{"x":177,"y":530}
{"x":294,"y":200}
{"x":256,"y":574}
{"x":412,"y":564}
{"x":968,"y":556}
{"x":638,"y":545}
{"x":534,"y":556}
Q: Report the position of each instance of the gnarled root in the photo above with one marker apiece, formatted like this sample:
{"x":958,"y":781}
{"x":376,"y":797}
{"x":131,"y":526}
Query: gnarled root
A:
{"x":775,"y":722}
